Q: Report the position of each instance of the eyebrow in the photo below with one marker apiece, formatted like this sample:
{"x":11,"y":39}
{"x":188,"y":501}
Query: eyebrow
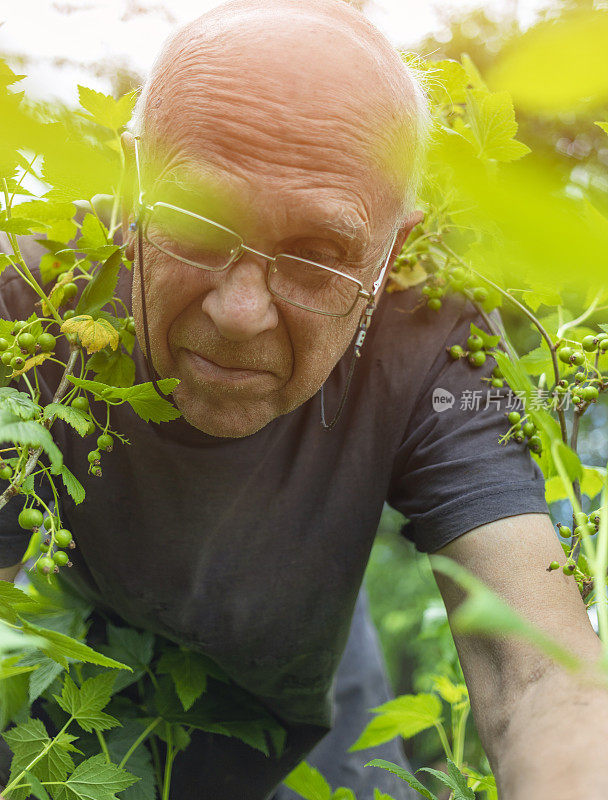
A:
{"x":342,"y":224}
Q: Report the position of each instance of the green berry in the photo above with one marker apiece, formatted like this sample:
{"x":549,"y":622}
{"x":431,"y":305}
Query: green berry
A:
{"x":456,"y":351}
{"x":590,"y":393}
{"x":94,"y":456}
{"x":130,"y":326}
{"x":63,"y":538}
{"x":4,"y":344}
{"x":81,"y":403}
{"x":457,"y":274}
{"x":581,"y":530}
{"x":589,"y":343}
{"x":535,"y":443}
{"x":497,"y":383}
{"x":434,"y":304}
{"x":7,"y":357}
{"x":581,"y":518}
{"x":480,"y":294}
{"x":17,"y":362}
{"x":565,"y":531}
{"x":514,"y":417}
{"x":60,"y":557}
{"x":105,"y":442}
{"x":91,"y":429}
{"x":49,"y":522}
{"x":477,"y":359}
{"x":554,"y":565}
{"x":604,"y":345}
{"x":529,"y":429}
{"x":45,"y":565}
{"x":564,"y":354}
{"x":69,"y":290}
{"x":568,"y":569}
{"x":47,"y":342}
{"x":69,"y":314}
{"x":474,"y":343}
{"x":591,"y":528}
{"x":577,"y":358}
{"x":497,"y":373}
{"x":19,"y":325}
{"x":30,"y":518}
{"x":96,"y":470}
{"x":579,"y":377}
{"x":6,"y":473}
{"x":26,"y":340}
{"x":519,"y":438}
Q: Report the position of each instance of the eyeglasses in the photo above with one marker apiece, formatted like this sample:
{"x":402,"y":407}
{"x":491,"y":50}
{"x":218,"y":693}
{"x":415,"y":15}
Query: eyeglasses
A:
{"x":203,"y":243}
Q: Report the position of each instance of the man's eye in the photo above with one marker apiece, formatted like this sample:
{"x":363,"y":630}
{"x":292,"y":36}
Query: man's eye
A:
{"x":328,"y":259}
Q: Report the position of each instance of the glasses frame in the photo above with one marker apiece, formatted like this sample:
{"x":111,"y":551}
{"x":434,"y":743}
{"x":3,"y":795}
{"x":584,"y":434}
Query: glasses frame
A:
{"x":144,"y":210}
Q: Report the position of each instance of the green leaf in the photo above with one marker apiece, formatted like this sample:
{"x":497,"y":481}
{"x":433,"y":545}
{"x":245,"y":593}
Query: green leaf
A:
{"x":104,"y":109}
{"x":13,"y":600}
{"x":593,"y":480}
{"x":492,"y":126}
{"x":603,"y":126}
{"x":100,"y":290}
{"x":73,"y":486}
{"x":60,"y":647}
{"x":342,"y":793}
{"x":404,"y":716}
{"x":72,"y":416}
{"x":308,"y":783}
{"x":452,"y":693}
{"x":131,"y":647}
{"x":45,"y":673}
{"x":27,"y":741}
{"x":95,"y":779}
{"x":404,"y":775}
{"x":454,"y":779}
{"x":20,"y":227}
{"x":139,"y":762}
{"x":18,"y":403}
{"x":537,"y":361}
{"x":378,"y":795}
{"x":85,"y":704}
{"x":37,"y":788}
{"x":114,"y":368}
{"x":93,"y":233}
{"x":189,"y":672}
{"x":142,"y":397}
{"x":13,"y":697}
{"x":34,"y":435}
{"x":488,"y":339}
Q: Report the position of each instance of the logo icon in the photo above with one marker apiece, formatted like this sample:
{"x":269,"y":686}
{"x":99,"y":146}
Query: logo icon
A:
{"x":442,"y":399}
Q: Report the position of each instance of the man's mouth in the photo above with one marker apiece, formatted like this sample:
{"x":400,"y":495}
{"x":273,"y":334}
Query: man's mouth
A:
{"x":214,"y":371}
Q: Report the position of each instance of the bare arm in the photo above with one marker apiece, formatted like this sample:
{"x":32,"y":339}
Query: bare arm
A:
{"x":9,"y":573}
{"x":544,"y":734}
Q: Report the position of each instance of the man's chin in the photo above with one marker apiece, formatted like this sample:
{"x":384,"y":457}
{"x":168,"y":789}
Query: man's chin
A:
{"x":231,"y":420}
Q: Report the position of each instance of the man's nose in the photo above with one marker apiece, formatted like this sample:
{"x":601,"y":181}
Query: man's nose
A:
{"x":240,"y":305}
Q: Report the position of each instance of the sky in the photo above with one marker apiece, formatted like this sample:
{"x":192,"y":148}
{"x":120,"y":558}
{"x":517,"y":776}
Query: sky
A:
{"x":60,"y":33}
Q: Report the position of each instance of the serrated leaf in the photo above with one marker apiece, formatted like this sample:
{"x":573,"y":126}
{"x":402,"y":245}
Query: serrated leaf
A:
{"x":73,"y":486}
{"x":189,"y":672}
{"x":342,"y":793}
{"x":404,"y":716}
{"x":143,"y":397}
{"x":454,"y":779}
{"x":451,"y":692}
{"x":19,"y":403}
{"x":32,"y":434}
{"x":26,"y":741}
{"x":492,"y":124}
{"x":93,"y":233}
{"x":93,"y":334}
{"x":139,"y":763}
{"x":85,"y":704}
{"x":537,"y":361}
{"x":45,"y":673}
{"x":95,"y":779}
{"x":20,"y":227}
{"x":58,"y":646}
{"x":33,"y":361}
{"x":72,"y":416}
{"x":406,"y":776}
{"x":106,"y":110}
{"x":101,"y":288}
{"x":113,"y":369}
{"x":308,"y":783}
{"x":130,"y":646}
{"x":378,"y":795}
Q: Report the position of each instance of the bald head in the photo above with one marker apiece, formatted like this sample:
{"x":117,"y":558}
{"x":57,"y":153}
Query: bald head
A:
{"x":280,"y":82}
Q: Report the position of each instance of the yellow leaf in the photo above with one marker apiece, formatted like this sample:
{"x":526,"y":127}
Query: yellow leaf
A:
{"x":56,"y":295}
{"x":406,"y":277}
{"x":94,"y":334}
{"x":34,"y":361}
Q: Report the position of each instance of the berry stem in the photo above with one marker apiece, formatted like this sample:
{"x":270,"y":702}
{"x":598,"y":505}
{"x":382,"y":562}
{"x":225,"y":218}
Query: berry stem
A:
{"x":139,"y":740}
{"x":168,"y":763}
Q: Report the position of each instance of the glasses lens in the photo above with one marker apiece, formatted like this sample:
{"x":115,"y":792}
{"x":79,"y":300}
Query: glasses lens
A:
{"x":311,"y":286}
{"x":190,"y":239}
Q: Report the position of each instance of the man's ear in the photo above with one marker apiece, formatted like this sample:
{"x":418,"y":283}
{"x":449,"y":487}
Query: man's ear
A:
{"x":128,"y":237}
{"x":408,"y":224}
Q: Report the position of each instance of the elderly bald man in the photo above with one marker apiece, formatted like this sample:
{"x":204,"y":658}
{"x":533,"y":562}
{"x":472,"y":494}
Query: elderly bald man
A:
{"x":274,"y":183}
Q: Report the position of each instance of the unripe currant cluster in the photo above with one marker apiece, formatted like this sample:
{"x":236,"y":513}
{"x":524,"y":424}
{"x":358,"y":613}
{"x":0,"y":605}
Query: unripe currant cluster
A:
{"x":524,"y":429}
{"x":571,"y":356}
{"x":31,"y":519}
{"x":104,"y":440}
{"x":584,"y":525}
{"x":455,"y":280}
{"x":475,"y":355}
{"x":21,"y":344}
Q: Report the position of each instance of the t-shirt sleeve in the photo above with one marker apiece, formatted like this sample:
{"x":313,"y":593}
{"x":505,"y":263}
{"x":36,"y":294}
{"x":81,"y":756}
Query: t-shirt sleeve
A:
{"x":16,"y":302}
{"x":451,"y":473}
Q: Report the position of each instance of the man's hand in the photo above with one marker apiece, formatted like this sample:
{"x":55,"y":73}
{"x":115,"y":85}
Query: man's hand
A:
{"x":543,"y":732}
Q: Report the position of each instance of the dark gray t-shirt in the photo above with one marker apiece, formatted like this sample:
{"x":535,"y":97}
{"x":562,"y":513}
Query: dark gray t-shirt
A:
{"x":253,"y":550}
